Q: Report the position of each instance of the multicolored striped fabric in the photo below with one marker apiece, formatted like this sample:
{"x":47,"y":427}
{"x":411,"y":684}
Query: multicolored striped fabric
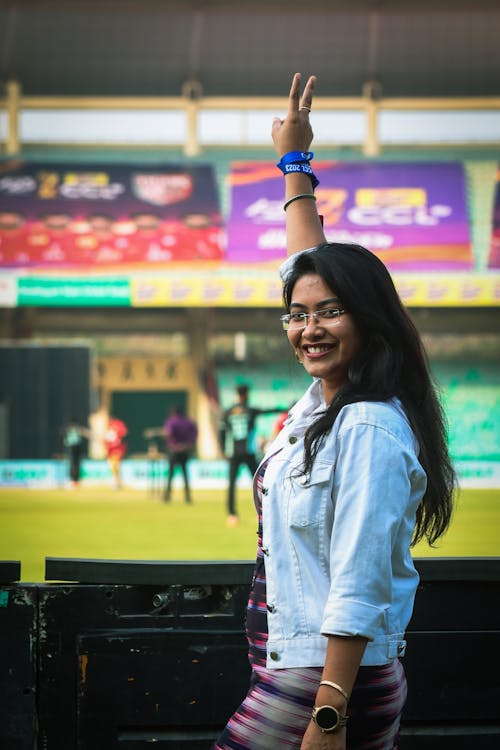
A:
{"x":277,"y":708}
{"x":256,"y":619}
{"x":375,"y":707}
{"x":275,"y":712}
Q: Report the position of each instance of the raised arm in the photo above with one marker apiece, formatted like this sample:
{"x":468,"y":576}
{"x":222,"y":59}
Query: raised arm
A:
{"x":294,"y":133}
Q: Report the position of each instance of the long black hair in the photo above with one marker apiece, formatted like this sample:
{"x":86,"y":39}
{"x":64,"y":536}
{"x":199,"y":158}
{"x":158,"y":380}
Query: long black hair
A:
{"x":391,"y":363}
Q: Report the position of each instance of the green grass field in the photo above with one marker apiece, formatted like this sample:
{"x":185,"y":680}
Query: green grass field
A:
{"x":133,"y":525}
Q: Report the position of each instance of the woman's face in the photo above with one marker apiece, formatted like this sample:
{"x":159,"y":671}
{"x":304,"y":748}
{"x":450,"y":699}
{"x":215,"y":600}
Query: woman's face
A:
{"x":325,"y":348}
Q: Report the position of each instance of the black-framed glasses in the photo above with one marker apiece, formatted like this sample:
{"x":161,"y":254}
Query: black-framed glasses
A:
{"x":297,"y":321}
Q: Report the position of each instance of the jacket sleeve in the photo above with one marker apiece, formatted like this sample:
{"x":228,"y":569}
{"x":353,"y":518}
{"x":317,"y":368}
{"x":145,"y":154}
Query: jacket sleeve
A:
{"x":371,"y":496}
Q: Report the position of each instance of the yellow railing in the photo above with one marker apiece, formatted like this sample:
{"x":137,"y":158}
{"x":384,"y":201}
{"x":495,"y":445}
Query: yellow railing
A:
{"x":14,"y":103}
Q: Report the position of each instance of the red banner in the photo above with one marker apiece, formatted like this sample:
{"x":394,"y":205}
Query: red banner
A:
{"x":107,"y":215}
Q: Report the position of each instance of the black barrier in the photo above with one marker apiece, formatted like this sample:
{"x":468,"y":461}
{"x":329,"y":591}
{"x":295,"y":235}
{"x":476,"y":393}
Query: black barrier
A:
{"x":156,"y":655}
{"x":184,"y":572}
{"x":18,"y":661}
{"x":10,"y":570}
{"x":452,"y":657}
{"x":139,"y":654}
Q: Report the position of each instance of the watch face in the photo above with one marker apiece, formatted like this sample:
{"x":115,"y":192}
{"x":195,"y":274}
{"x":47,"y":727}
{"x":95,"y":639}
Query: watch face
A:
{"x":327,"y":718}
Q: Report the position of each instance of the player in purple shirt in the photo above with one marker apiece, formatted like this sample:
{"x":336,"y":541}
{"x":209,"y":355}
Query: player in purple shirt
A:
{"x":180,"y":436}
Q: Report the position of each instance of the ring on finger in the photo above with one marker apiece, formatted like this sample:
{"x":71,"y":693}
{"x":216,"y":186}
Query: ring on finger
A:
{"x":308,"y":109}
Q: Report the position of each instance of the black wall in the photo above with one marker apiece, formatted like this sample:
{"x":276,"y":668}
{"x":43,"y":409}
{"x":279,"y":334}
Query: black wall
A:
{"x":42,"y":388}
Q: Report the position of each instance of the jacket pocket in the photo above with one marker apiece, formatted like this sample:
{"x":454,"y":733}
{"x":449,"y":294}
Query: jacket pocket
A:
{"x":308,"y":495}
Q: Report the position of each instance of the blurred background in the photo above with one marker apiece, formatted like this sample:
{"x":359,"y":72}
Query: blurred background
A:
{"x":141,"y":232}
{"x":141,"y":225}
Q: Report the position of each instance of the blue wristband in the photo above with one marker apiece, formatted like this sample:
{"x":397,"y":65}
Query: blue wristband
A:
{"x":305,"y":168}
{"x":296,"y":157}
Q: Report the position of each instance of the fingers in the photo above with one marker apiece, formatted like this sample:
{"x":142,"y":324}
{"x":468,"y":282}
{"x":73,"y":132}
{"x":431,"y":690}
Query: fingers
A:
{"x":277,"y":123}
{"x":307,"y":96}
{"x":294,"y":98}
{"x":293,"y":132}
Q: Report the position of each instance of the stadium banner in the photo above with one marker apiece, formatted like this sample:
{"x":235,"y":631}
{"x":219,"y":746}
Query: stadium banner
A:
{"x":224,"y":287}
{"x":40,"y":474}
{"x":413,"y":215}
{"x":136,"y":473}
{"x":494,"y":258}
{"x":68,"y":292}
{"x":263,"y":289}
{"x":227,"y":287}
{"x":142,"y":474}
{"x":107,"y":216}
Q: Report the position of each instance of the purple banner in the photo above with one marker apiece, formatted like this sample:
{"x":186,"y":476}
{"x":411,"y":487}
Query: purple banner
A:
{"x":107,"y":215}
{"x":412,"y":215}
{"x":494,"y":259}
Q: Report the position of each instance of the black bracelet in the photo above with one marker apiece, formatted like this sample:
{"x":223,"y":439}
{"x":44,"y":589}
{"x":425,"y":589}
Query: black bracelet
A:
{"x":298,"y":197}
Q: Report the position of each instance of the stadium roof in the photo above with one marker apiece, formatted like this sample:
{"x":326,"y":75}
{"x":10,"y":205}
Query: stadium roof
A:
{"x":442,"y":48}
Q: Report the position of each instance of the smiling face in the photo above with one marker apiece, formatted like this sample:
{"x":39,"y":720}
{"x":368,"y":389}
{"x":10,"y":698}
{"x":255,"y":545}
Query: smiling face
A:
{"x":325,"y":350}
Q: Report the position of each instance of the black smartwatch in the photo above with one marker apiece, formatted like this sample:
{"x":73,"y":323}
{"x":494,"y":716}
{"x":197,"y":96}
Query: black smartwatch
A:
{"x":328,"y":719}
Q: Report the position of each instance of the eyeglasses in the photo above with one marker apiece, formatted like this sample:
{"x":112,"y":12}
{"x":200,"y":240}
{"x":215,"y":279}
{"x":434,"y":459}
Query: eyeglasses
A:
{"x":297,"y":321}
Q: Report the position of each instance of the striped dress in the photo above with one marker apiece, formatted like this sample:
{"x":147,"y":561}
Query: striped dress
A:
{"x":277,"y":708}
{"x":256,"y":619}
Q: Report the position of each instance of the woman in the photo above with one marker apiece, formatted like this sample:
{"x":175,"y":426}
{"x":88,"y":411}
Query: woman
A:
{"x":359,"y":472}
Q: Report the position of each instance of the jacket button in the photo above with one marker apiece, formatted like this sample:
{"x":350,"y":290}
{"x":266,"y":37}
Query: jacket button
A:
{"x":292,"y":439}
{"x":271,"y":608}
{"x":274,"y":656}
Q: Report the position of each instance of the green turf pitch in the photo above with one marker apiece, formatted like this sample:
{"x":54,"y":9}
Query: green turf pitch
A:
{"x":103,"y":523}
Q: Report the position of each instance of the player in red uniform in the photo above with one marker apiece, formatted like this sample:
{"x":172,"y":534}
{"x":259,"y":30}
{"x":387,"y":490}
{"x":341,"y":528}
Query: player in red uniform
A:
{"x":116,"y":447}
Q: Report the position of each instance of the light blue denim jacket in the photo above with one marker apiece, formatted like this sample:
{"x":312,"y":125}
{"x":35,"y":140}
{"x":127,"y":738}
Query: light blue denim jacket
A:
{"x":337,"y":542}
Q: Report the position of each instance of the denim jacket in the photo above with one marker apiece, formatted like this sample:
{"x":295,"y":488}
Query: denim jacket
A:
{"x":336,"y":542}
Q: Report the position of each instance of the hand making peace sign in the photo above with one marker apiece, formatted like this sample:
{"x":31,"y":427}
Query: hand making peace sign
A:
{"x":294,"y":133}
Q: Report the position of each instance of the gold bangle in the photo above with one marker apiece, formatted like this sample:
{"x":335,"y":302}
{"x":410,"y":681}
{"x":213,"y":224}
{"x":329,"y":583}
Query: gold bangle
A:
{"x":297,"y":197}
{"x":336,"y":687}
